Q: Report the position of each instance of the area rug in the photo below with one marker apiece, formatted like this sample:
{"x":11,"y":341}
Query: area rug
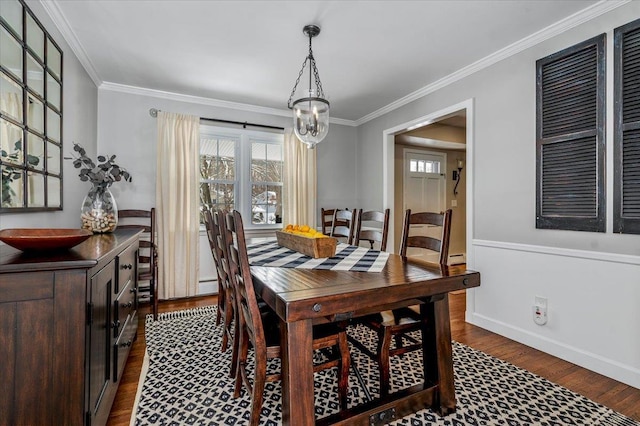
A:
{"x":187,"y":383}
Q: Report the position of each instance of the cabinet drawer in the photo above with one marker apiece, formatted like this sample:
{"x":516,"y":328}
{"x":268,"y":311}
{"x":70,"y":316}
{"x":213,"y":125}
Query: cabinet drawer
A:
{"x":126,"y":264}
{"x":123,"y":345}
{"x":124,"y":306}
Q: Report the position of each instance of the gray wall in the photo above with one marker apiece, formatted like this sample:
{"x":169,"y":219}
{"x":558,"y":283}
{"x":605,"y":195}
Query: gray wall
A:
{"x":591,"y":280}
{"x":127,"y":130}
{"x":80,"y":97}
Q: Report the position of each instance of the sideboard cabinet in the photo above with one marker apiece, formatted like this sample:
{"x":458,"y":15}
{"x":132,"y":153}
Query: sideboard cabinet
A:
{"x":67,"y":321}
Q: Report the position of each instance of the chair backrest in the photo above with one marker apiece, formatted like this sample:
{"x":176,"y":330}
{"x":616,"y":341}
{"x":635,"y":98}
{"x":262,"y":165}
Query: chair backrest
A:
{"x":344,"y":224}
{"x":378,"y":235}
{"x":237,"y":261}
{"x":212,"y":223}
{"x":145,"y":220}
{"x":326,"y":220}
{"x":440,"y":245}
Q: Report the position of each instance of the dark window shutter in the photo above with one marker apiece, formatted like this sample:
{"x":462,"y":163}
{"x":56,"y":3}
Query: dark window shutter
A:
{"x":570,"y":138}
{"x":626,"y":197}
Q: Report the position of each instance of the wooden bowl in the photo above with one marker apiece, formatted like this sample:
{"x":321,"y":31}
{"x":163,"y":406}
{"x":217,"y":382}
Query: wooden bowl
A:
{"x":39,"y":239}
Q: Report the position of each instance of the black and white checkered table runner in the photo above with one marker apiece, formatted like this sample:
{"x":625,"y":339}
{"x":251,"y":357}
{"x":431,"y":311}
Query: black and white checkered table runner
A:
{"x":347,"y":258}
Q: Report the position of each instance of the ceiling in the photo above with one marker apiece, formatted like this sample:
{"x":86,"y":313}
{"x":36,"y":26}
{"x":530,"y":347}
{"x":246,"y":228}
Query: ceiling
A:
{"x":369,"y":53}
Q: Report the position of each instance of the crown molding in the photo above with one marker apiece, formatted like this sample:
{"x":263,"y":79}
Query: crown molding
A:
{"x":552,"y":30}
{"x":60,"y":21}
{"x":591,"y":12}
{"x":134,"y":90}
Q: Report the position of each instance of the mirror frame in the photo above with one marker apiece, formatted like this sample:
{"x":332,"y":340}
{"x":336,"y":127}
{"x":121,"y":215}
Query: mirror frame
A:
{"x":41,"y":170}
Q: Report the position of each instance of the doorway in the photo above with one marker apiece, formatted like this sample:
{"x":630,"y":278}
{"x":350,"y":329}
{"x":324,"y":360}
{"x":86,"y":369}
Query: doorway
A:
{"x":459,"y":154}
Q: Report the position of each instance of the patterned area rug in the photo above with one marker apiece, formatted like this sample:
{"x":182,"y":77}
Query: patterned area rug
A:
{"x":187,"y":383}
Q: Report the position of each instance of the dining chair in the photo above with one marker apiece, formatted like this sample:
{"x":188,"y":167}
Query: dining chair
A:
{"x":147,"y":252}
{"x":344,"y":224}
{"x":397,"y":324}
{"x":260,"y":328}
{"x":378,"y":235}
{"x":226,"y":302}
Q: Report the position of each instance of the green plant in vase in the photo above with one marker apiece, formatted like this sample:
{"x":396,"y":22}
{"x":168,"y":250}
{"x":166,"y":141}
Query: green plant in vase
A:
{"x":99,"y":211}
{"x":11,"y":173}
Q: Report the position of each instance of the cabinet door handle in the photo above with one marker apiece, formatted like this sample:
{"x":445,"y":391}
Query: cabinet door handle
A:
{"x":127,"y":305}
{"x":124,"y":345}
{"x":115,"y":324}
{"x":126,"y":266}
{"x":133,"y":290}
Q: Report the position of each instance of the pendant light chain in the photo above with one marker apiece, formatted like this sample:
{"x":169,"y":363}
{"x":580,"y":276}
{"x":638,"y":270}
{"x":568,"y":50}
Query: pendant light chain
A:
{"x":316,"y":75}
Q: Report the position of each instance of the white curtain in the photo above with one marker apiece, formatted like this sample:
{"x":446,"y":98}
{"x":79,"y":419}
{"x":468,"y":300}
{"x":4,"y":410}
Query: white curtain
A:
{"x":299,"y":182}
{"x":177,"y":210}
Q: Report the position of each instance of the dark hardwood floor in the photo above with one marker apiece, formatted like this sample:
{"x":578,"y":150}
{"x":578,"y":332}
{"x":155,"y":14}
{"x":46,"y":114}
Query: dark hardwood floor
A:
{"x":618,"y":396}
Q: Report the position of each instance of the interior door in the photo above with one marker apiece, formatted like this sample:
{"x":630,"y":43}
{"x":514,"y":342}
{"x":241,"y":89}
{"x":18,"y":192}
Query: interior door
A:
{"x":424,"y":191}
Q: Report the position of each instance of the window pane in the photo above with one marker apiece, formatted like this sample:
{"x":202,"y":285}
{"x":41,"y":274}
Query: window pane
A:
{"x":11,"y":12}
{"x":11,"y":179}
{"x":54,"y":59}
{"x":10,"y":98}
{"x":53,"y":125}
{"x":274,"y":204}
{"x":10,"y":142}
{"x":53,"y":158}
{"x":53,"y":192}
{"x":421,"y":166}
{"x":36,"y":189}
{"x":218,"y":195}
{"x":35,"y":119}
{"x":258,"y":162}
{"x":35,"y":75}
{"x":274,"y":163}
{"x":259,"y":210}
{"x":428,"y":166}
{"x":35,"y":152}
{"x":413,"y":166}
{"x":53,"y":92}
{"x":217,"y":159}
{"x":10,"y":53}
{"x":35,"y":37}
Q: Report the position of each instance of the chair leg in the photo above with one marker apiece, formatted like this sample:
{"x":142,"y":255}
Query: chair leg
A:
{"x":384,"y":345}
{"x":220,"y":307}
{"x":258,"y":389}
{"x":228,"y":314}
{"x":241,"y":363}
{"x":235,"y":344}
{"x":154,"y":291}
{"x":343,"y":369}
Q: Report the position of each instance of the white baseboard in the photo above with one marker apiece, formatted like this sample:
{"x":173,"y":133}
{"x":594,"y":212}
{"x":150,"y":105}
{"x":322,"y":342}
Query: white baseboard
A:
{"x":607,"y":367}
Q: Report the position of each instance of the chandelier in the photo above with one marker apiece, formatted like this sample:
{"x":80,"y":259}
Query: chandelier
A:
{"x":310,"y":112}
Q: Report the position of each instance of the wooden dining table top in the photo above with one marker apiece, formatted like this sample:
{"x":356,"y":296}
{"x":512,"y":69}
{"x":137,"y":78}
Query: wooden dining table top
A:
{"x":302,"y":293}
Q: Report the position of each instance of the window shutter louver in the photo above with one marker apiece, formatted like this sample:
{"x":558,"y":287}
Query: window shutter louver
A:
{"x":626,"y":211}
{"x":570,"y":138}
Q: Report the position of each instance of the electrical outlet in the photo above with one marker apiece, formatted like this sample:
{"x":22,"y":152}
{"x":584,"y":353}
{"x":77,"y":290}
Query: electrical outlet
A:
{"x":540,"y":310}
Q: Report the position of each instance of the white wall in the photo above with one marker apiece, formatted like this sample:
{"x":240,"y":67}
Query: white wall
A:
{"x":592,"y":280}
{"x":79,"y":125}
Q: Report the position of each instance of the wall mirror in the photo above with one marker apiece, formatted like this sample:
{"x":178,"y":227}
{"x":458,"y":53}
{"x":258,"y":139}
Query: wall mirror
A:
{"x":30,"y":113}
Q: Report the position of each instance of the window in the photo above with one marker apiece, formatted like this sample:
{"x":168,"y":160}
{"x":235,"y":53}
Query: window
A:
{"x":626,"y":199}
{"x":242,"y":170}
{"x":570,"y":138}
{"x":422,"y":166}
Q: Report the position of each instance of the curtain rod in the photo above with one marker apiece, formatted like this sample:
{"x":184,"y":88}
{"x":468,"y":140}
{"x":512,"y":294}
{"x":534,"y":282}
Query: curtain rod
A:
{"x":154,"y":113}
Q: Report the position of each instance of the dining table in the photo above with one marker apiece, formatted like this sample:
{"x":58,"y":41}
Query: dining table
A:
{"x":304,"y":297}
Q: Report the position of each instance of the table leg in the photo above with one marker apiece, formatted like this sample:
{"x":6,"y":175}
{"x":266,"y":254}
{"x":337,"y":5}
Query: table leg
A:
{"x":297,"y":373}
{"x":438,"y":354}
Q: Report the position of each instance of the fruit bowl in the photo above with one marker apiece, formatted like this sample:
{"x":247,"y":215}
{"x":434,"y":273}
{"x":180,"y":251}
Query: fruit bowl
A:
{"x":41,"y":239}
